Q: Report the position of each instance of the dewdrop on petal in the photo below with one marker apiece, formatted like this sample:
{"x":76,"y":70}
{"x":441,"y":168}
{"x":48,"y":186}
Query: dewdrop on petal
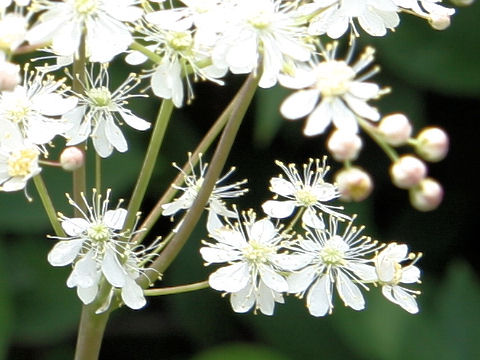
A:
{"x":344,"y":145}
{"x":427,"y":195}
{"x":408,"y":171}
{"x":72,"y":158}
{"x":432,"y":144}
{"x":354,"y":184}
{"x":395,"y":129}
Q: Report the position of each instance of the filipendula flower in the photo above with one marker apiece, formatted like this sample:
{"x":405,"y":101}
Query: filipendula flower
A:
{"x":308,"y":191}
{"x":98,"y":248}
{"x":193,"y":183}
{"x":332,"y":91}
{"x":336,"y":16}
{"x":253,"y":274}
{"x":335,"y":259}
{"x":263,"y":33}
{"x":36,"y":107}
{"x":18,"y":158}
{"x":100,"y":110}
{"x":103,"y":22}
{"x":391,"y":274}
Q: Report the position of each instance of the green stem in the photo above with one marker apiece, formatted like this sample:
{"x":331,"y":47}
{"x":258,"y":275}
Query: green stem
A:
{"x":48,"y":205}
{"x":244,"y":98}
{"x":298,"y":215}
{"x":98,"y":173}
{"x":177,"y":289}
{"x":206,"y":142}
{"x":90,"y":333}
{"x":372,"y":132}
{"x":156,"y":140}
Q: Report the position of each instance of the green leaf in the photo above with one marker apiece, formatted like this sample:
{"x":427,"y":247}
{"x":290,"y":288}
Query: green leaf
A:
{"x":5,"y":305}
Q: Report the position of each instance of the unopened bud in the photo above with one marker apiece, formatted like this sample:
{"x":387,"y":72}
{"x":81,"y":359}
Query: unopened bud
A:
{"x":344,"y":145}
{"x":354,"y":184}
{"x":407,"y":171}
{"x":72,"y":158}
{"x":439,"y":22}
{"x":9,"y":75}
{"x":432,"y":144}
{"x":427,"y":195}
{"x":396,"y":129}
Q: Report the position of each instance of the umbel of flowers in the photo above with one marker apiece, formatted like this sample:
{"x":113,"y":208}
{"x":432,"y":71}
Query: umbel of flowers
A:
{"x":305,"y":244}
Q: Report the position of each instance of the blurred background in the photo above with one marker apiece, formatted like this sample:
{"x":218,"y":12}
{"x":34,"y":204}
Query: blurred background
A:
{"x":435,"y":78}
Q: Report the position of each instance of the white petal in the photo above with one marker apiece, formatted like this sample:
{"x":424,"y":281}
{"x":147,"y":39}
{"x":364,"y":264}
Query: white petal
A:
{"x":263,"y":231}
{"x":75,"y":226}
{"x":363,"y":271}
{"x":112,"y":269}
{"x":405,"y":300}
{"x":299,"y":281}
{"x":311,"y":219}
{"x":290,"y":262}
{"x":319,"y":297}
{"x":319,"y":119}
{"x":410,"y":275}
{"x":279,"y":209}
{"x":218,"y":255}
{"x":132,"y":294}
{"x":349,"y":292}
{"x":115,"y":136}
{"x":243,"y":300}
{"x":299,"y":104}
{"x":272,"y":279}
{"x":282,"y":187}
{"x":265,"y":299}
{"x":231,"y":278}
{"x":115,"y":219}
{"x":88,"y":294}
{"x":64,"y":252}
{"x":134,"y":121}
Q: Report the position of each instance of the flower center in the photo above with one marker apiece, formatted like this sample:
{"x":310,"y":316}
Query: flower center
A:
{"x":180,"y":41}
{"x":20,"y":162}
{"x":334,"y":78}
{"x":333,"y":253}
{"x":98,"y":232}
{"x":19,"y":111}
{"x":85,"y":7}
{"x":256,"y":253}
{"x":260,"y":20}
{"x":306,"y":197}
{"x":100,"y":96}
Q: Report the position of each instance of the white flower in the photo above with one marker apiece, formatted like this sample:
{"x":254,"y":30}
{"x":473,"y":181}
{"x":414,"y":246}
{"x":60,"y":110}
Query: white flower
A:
{"x":13,"y":28}
{"x":193,"y":184}
{"x":102,"y":21}
{"x":36,"y":106}
{"x":335,"y":259}
{"x":253,"y":274}
{"x":436,"y":14}
{"x":265,"y":30}
{"x":18,"y":158}
{"x":172,"y":39}
{"x":374,"y":16}
{"x":391,"y":274}
{"x":98,"y":248}
{"x":332,"y":91}
{"x":309,"y":191}
{"x":100,"y":110}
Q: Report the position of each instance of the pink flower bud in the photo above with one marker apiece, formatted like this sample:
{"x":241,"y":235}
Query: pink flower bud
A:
{"x":396,"y":129}
{"x":9,"y":75}
{"x":407,"y":171}
{"x":427,"y":195}
{"x":432,"y":144}
{"x":354,"y":184}
{"x":72,"y":158}
{"x":344,"y":145}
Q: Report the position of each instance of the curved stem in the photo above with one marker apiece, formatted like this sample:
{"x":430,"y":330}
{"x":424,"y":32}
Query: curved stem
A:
{"x":177,"y":289}
{"x":48,"y":205}
{"x":243,"y":99}
{"x":149,"y":162}
{"x":90,"y":333}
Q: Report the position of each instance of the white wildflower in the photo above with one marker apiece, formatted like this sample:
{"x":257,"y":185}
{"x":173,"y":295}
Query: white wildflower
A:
{"x":100,"y":110}
{"x":332,"y":91}
{"x":253,"y":274}
{"x":103,"y":22}
{"x":308,"y":190}
{"x":216,"y":205}
{"x":335,"y":259}
{"x":391,"y":274}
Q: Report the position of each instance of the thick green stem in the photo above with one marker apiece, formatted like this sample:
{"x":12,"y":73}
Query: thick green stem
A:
{"x":90,"y":333}
{"x":219,"y":158}
{"x":48,"y":205}
{"x":156,"y":140}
